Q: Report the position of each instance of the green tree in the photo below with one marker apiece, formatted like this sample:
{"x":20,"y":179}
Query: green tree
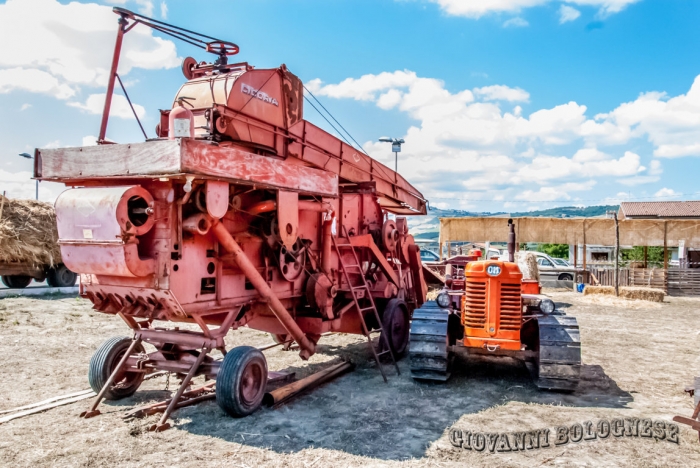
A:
{"x":555,"y":250}
{"x":655,"y":255}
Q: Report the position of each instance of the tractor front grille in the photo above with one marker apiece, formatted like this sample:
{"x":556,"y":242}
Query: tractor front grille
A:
{"x":511,"y":307}
{"x":475,"y":304}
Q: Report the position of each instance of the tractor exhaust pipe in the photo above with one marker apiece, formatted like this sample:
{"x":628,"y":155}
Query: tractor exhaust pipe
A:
{"x":511,"y":241}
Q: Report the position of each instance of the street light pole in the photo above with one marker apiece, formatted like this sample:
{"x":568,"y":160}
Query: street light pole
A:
{"x":396,"y":148}
{"x":29,"y":156}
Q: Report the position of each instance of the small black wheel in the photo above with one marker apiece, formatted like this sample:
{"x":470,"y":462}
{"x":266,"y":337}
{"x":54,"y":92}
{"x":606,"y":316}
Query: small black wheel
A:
{"x":16,"y":281}
{"x":566,"y":277}
{"x":60,"y":276}
{"x":396,"y":327}
{"x":241,"y":382}
{"x":103,"y":363}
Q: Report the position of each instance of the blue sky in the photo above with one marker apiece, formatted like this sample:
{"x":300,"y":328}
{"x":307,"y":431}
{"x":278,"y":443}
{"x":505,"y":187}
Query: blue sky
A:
{"x":505,"y":105}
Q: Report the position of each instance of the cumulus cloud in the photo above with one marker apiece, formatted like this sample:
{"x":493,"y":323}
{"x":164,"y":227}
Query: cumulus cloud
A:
{"x":477,"y":9}
{"x":516,"y":22}
{"x":474,"y":141}
{"x":119,"y":108}
{"x":502,"y":93}
{"x":567,"y":13}
{"x":666,"y":193}
{"x":67,"y":47}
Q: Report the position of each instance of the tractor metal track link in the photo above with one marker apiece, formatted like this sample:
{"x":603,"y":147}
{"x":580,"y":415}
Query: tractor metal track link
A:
{"x":429,"y":352}
{"x":559,"y":366}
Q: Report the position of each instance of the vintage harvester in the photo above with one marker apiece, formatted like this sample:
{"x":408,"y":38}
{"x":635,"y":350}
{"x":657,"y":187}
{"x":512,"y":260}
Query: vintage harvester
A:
{"x":240,"y":213}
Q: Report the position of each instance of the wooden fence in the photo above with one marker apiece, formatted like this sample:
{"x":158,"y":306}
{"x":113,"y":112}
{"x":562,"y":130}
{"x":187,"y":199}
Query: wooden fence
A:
{"x":683,"y":282}
{"x":675,"y":281}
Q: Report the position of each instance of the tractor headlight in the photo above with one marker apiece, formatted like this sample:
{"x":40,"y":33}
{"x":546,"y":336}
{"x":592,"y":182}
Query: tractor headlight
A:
{"x":547,"y":306}
{"x":443,"y":300}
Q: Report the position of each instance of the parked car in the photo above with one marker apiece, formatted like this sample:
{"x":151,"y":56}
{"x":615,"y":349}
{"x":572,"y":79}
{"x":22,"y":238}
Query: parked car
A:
{"x":551,"y":270}
{"x":428,"y":256}
{"x":561,"y":262}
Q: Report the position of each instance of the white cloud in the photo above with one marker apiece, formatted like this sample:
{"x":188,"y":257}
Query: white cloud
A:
{"x":66,"y":47}
{"x":33,"y":80}
{"x":464,"y":140}
{"x":479,"y":8}
{"x":667,"y":193}
{"x":53,"y":144}
{"x":516,"y":22}
{"x":163,"y":10}
{"x":145,"y":7}
{"x":554,"y":193}
{"x":89,"y":140}
{"x":502,"y":93}
{"x":119,"y":108}
{"x":25,"y":106}
{"x":672,"y":125}
{"x":567,"y":13}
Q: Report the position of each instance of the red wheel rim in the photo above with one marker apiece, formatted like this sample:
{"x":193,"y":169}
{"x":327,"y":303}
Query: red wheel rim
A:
{"x":251,"y":382}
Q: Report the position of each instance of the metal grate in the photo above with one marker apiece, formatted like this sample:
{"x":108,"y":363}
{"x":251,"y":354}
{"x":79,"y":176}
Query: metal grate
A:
{"x":511,"y":307}
{"x":475,"y":304}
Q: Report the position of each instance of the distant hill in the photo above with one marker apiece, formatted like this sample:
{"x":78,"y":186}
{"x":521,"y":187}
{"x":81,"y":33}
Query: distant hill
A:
{"x":428,"y":227}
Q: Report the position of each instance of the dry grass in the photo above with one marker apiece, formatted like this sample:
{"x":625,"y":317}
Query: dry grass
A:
{"x":634,"y":366}
{"x":626,"y":292}
{"x":28,"y":232}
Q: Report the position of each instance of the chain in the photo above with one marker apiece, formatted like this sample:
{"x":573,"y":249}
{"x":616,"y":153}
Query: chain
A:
{"x":167,"y":381}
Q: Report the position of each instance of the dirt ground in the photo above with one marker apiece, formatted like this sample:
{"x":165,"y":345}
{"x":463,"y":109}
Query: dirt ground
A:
{"x":637,"y":359}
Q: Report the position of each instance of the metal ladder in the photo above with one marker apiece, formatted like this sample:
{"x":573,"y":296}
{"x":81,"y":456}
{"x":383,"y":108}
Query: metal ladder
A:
{"x":355,"y":292}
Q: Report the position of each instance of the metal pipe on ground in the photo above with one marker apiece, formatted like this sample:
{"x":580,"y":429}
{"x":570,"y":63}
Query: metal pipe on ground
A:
{"x":240,"y":259}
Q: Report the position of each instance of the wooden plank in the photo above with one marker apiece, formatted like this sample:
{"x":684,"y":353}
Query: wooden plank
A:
{"x":149,"y":158}
{"x":39,"y":409}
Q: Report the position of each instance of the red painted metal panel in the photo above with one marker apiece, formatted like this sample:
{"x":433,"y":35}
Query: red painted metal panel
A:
{"x":235,"y":164}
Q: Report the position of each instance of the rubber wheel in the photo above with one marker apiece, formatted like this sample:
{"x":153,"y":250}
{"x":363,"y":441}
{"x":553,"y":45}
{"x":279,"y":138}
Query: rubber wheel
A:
{"x":566,"y":278}
{"x":396,"y":327}
{"x":61,"y":277}
{"x":16,"y":281}
{"x":241,"y":382}
{"x":103,"y":363}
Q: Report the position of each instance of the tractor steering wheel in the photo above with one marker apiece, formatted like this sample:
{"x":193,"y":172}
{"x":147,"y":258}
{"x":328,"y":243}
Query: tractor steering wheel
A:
{"x":222,"y":48}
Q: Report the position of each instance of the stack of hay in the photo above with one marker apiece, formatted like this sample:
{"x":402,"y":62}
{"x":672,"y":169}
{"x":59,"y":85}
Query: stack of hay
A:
{"x":626,"y":292}
{"x":527,"y":262}
{"x":28,"y":233}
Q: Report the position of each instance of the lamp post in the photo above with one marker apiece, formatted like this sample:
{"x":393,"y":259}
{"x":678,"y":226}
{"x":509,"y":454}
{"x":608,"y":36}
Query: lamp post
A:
{"x":29,"y":156}
{"x":395,"y":147}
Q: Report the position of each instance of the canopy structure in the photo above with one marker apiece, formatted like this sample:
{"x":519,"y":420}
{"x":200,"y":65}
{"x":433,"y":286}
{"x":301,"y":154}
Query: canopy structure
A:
{"x":598,"y":231}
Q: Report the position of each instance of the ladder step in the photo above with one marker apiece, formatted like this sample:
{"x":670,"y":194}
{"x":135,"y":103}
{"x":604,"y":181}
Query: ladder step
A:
{"x":383,"y":353}
{"x":367,"y":308}
{"x":343,"y":245}
{"x":364,"y":286}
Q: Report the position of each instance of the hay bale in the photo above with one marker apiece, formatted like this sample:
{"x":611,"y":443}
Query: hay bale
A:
{"x":527,"y":262}
{"x":605,"y":290}
{"x":28,"y":232}
{"x":627,"y":292}
{"x":644,"y":294}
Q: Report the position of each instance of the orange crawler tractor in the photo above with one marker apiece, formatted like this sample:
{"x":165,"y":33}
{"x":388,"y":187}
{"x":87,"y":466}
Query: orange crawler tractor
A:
{"x":491,"y":316}
{"x":240,"y":213}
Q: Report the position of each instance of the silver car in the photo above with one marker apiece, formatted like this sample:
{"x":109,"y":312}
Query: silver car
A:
{"x":551,"y":270}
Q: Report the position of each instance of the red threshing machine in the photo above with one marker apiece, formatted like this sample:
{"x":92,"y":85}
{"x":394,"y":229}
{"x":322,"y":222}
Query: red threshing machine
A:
{"x":240,"y":213}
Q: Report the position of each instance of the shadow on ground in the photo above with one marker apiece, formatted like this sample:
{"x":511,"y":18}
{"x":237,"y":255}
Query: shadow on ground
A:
{"x":360,"y":414}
